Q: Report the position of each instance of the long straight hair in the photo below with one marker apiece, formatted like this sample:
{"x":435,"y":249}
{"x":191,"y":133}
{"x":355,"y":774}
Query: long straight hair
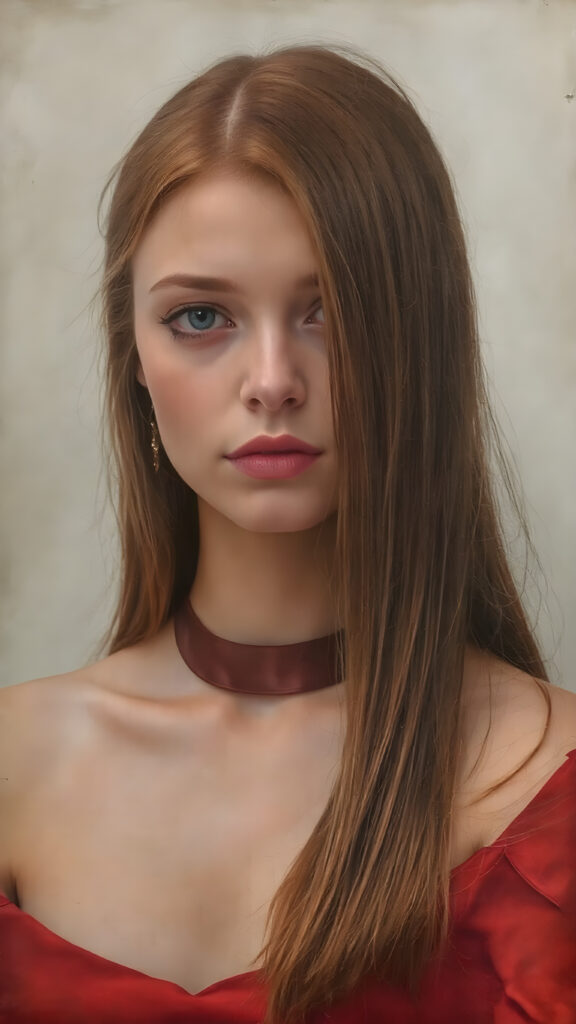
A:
{"x":420,"y":567}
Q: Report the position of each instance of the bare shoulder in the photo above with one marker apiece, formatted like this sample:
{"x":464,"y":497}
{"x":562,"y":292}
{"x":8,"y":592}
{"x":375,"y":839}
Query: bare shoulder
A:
{"x":51,"y":713}
{"x":40,"y":722}
{"x":509,"y":716}
{"x":51,"y":725}
{"x":44,"y":721}
{"x":36,"y":718}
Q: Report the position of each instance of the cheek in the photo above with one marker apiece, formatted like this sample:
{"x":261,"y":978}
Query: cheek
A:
{"x":184,"y":401}
{"x":170,"y":383}
{"x":179,"y":403}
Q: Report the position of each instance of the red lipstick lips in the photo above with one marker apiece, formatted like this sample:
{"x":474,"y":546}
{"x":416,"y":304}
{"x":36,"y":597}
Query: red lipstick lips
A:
{"x":274,"y":458}
{"x":266,"y":444}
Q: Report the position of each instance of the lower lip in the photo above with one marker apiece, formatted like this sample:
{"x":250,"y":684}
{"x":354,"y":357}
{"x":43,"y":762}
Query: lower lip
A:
{"x":279,"y":466}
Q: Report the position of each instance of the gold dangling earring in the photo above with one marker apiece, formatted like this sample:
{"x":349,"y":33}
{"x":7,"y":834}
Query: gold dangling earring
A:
{"x":155,"y":443}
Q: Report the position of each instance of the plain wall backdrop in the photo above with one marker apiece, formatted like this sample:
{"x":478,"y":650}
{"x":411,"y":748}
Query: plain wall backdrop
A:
{"x":494,"y":79}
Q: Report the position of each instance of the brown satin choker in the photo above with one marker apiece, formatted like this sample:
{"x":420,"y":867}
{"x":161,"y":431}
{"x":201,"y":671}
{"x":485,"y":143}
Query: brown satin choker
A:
{"x":263,"y":669}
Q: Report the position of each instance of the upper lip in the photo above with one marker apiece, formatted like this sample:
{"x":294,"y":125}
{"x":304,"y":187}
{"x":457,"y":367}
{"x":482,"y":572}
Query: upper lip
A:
{"x":265,"y":443}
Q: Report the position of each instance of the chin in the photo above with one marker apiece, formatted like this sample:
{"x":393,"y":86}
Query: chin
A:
{"x":271,"y":513}
{"x":277,"y":522}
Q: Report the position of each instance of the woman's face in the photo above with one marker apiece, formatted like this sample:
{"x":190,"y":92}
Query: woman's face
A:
{"x":227,"y":362}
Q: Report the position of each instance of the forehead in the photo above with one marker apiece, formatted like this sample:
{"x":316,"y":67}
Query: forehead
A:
{"x":225,"y":220}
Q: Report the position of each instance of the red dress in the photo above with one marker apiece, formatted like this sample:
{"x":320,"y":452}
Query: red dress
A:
{"x":511,"y":957}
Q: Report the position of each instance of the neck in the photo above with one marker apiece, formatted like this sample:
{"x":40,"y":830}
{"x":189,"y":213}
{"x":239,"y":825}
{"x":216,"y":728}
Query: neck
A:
{"x":264,"y":588}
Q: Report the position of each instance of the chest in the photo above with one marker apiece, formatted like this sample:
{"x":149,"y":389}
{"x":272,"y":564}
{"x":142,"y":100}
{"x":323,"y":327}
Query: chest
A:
{"x":164,"y":857}
{"x":161,"y":847}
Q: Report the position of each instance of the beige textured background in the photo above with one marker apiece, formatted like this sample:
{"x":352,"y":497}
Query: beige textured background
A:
{"x":79,"y":78}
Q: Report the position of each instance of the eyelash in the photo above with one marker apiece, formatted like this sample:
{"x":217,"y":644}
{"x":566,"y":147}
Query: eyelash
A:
{"x":168,"y":320}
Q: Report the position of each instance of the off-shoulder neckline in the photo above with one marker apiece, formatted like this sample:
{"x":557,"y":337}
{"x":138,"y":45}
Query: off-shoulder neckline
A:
{"x":498,"y":844}
{"x":512,"y":826}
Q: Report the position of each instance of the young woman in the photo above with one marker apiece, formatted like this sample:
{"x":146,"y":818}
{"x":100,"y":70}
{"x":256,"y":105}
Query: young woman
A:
{"x":320,"y":772}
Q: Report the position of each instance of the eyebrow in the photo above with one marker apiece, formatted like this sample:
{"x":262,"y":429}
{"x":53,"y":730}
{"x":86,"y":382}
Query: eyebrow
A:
{"x":221,"y":284}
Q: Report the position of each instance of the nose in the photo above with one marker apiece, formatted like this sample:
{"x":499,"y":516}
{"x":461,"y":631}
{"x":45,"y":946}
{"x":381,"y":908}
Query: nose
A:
{"x":275,"y":373}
